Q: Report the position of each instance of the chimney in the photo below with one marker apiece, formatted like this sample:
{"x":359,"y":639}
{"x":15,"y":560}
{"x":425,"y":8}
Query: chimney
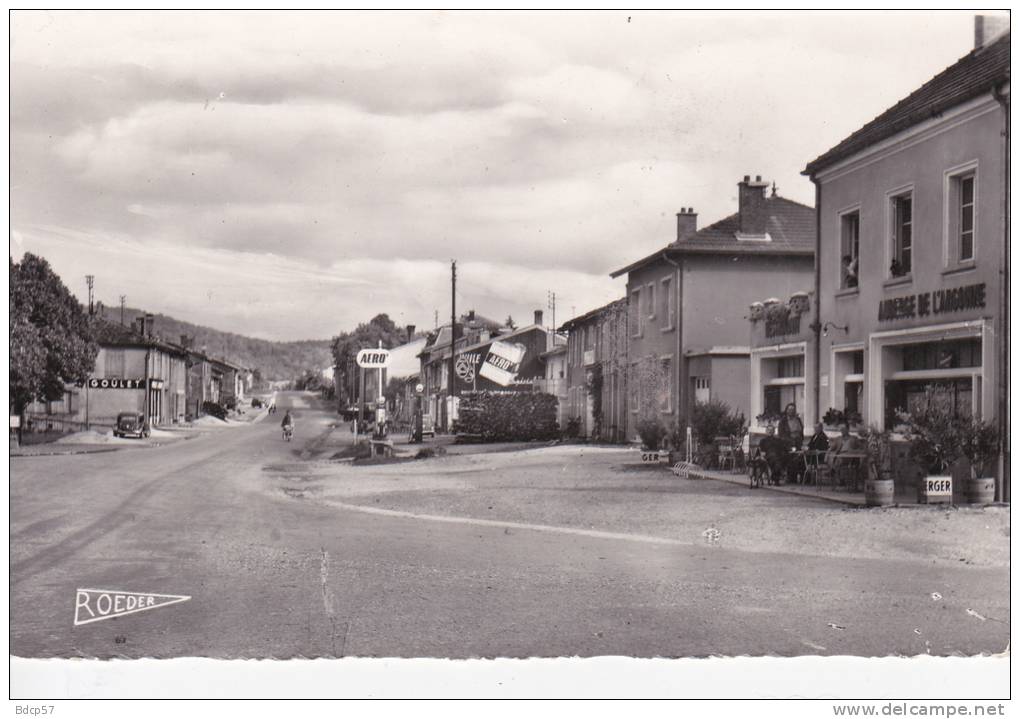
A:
{"x":686,"y":223}
{"x":471,"y":316}
{"x":185,"y":341}
{"x":538,"y":317}
{"x":752,"y":207}
{"x":149,"y":322}
{"x":140,"y":325}
{"x":988,"y":28}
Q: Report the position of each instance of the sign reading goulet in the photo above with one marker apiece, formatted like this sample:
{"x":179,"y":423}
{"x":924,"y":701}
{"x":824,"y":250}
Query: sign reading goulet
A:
{"x":373,"y":359}
{"x":115,"y":383}
{"x":956,"y":299}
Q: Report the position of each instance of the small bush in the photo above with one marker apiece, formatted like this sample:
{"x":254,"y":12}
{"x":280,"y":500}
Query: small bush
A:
{"x":216,"y":410}
{"x":573,"y":428}
{"x":651,"y":432}
{"x":715,"y":419}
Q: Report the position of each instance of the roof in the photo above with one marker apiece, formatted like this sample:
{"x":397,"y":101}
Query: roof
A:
{"x":790,"y":225}
{"x":113,"y":334}
{"x":974,"y":74}
{"x":591,"y":314}
{"x":404,"y":359}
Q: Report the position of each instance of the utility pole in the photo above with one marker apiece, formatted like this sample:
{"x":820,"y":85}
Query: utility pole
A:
{"x":90,"y":280}
{"x":552,"y":306}
{"x":437,"y":319}
{"x":453,"y":337}
{"x":123,"y":299}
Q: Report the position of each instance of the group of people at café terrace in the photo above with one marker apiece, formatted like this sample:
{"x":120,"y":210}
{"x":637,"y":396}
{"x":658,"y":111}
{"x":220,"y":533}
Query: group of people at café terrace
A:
{"x":784,"y":450}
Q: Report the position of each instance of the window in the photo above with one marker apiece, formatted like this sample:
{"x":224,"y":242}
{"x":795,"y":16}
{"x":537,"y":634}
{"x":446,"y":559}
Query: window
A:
{"x":902,"y":235}
{"x":850,"y":244}
{"x":857,"y":361}
{"x":650,"y":299}
{"x":942,"y":355}
{"x":632,"y":388}
{"x":790,"y":367}
{"x":115,"y":364}
{"x":635,"y":313}
{"x":667,"y":303}
{"x":961,"y":219}
{"x":666,"y":384}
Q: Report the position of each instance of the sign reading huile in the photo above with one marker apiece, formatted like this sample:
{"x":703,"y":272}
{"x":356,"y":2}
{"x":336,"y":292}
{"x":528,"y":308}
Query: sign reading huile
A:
{"x":503,"y":362}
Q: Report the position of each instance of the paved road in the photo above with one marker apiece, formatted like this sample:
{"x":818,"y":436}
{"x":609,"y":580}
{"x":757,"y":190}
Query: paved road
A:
{"x":273,"y":576}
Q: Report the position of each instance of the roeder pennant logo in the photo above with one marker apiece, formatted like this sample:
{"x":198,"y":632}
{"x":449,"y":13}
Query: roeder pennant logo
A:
{"x":95,"y":605}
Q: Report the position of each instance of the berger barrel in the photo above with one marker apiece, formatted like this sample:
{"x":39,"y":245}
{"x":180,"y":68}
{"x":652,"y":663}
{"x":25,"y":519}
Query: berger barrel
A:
{"x":879,"y":492}
{"x":981,"y":490}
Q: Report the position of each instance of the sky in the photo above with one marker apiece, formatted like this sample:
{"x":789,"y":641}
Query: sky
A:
{"x":288,"y":175}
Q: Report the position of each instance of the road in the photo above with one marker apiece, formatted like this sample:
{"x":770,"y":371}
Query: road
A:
{"x":273,"y":573}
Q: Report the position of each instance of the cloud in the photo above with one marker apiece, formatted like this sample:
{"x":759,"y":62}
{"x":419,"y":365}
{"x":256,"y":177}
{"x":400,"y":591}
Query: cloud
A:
{"x":306,"y":150}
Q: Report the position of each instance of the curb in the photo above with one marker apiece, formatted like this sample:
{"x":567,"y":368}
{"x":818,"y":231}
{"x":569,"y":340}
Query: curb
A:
{"x":784,"y":490}
{"x":100,"y":450}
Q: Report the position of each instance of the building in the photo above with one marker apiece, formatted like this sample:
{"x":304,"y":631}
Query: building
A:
{"x":597,"y":368}
{"x":134,"y":372}
{"x":688,"y":303}
{"x":912,"y":273}
{"x":555,"y":381}
{"x":488,"y":356}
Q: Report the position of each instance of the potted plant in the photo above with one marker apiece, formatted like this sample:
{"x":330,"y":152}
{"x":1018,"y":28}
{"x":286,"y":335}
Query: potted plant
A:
{"x":936,"y":444}
{"x":980,"y":446}
{"x":879,"y":488}
{"x":833,"y":418}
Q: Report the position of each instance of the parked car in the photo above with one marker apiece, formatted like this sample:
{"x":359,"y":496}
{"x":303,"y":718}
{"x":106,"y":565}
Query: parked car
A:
{"x":131,"y":424}
{"x":256,"y":402}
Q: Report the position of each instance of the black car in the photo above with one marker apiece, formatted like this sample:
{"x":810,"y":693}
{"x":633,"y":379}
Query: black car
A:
{"x":131,"y":424}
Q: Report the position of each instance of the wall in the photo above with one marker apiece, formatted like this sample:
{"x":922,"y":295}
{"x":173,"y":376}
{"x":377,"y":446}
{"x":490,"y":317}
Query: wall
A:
{"x":731,"y":382}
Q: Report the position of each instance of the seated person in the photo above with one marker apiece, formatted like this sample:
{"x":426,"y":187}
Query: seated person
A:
{"x":774,"y":450}
{"x":845,"y":442}
{"x":819,"y":441}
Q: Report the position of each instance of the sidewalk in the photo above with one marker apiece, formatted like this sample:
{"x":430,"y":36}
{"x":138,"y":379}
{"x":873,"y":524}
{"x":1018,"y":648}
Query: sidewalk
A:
{"x":831,"y":495}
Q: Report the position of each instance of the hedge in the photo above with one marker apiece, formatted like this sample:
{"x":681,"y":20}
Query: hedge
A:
{"x":506,"y":417}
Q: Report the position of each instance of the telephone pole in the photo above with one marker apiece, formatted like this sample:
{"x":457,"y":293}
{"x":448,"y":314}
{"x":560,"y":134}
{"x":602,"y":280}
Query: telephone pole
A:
{"x":123,"y":298}
{"x":90,"y":281}
{"x":552,"y":306}
{"x":453,"y":331}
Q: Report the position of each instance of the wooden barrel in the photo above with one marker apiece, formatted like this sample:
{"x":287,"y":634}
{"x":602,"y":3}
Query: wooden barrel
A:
{"x":879,"y":492}
{"x":981,"y":490}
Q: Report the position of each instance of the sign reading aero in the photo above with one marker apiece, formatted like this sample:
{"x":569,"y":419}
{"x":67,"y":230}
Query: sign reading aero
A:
{"x":373,"y":359}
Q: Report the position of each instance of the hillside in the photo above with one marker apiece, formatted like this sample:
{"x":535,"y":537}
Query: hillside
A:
{"x":275,"y":360}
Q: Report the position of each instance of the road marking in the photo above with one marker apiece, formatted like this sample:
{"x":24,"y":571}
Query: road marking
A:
{"x":594,"y":533}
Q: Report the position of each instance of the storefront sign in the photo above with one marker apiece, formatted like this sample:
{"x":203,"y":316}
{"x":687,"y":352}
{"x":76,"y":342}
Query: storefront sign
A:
{"x":936,"y":489}
{"x":114,"y":383}
{"x":657,"y":457}
{"x":503,"y":362}
{"x":956,"y":299}
{"x":785,"y":326}
{"x":466,"y":365}
{"x":373,"y":359}
{"x":155,"y":384}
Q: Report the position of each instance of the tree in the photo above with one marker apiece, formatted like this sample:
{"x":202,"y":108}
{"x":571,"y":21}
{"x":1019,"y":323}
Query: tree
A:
{"x":52,"y":343}
{"x":367,"y":335}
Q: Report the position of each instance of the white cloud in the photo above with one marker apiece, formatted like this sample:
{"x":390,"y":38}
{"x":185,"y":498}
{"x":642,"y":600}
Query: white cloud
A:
{"x":269,"y":158}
